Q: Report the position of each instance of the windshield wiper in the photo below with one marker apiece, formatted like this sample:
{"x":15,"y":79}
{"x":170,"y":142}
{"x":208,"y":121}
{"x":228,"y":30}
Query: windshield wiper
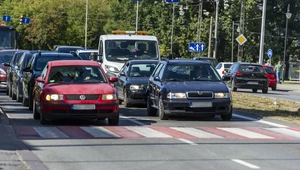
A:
{"x":174,"y":79}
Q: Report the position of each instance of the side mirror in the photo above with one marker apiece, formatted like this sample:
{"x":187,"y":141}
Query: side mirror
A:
{"x":27,"y":69}
{"x":156,"y":78}
{"x":113,"y":79}
{"x":122,"y":74}
{"x":7,"y":64}
{"x":226,"y":78}
{"x":17,"y":68}
{"x":40,"y":80}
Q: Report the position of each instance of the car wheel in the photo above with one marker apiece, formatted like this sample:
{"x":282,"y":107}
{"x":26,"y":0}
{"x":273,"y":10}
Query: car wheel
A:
{"x":24,"y":100}
{"x":265,"y":90}
{"x":18,"y":94}
{"x":9,"y":91}
{"x":150,"y":110}
{"x":254,"y":90}
{"x":228,"y":116}
{"x":113,"y":121}
{"x":274,"y":88}
{"x":43,"y":120}
{"x":161,"y":110}
{"x":233,"y":86}
{"x":36,"y":114}
{"x":30,"y":103}
{"x":126,"y":104}
{"x":120,"y":101}
{"x":13,"y":96}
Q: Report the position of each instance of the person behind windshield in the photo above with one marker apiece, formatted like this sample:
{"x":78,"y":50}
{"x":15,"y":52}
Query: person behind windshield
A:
{"x":197,"y":73}
{"x":142,"y":49}
{"x":84,"y":75}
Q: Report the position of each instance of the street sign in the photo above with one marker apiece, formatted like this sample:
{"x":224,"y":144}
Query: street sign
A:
{"x":26,"y":20}
{"x":241,"y":39}
{"x":136,"y":0}
{"x":270,"y":53}
{"x":172,"y":1}
{"x":6,"y":18}
{"x":196,"y":47}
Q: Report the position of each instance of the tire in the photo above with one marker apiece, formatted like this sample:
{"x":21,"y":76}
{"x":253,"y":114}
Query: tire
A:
{"x":254,"y":90}
{"x":233,"y":86}
{"x":24,"y":100}
{"x":9,"y":91}
{"x":30,"y":104}
{"x":227,"y":117}
{"x":150,"y":110}
{"x":126,"y":104}
{"x":43,"y":120}
{"x":36,"y":114}
{"x":274,"y":88}
{"x":120,"y":101}
{"x":19,"y":99}
{"x":161,"y":110}
{"x":265,"y":90}
{"x":113,"y":121}
{"x":13,"y":96}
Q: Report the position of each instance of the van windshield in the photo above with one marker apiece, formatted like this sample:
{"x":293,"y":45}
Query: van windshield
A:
{"x":123,"y":50}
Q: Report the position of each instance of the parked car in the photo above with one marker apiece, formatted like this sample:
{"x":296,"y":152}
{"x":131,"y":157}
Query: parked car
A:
{"x":247,"y":76}
{"x":85,"y":54}
{"x":34,"y":69}
{"x":187,"y":87}
{"x":17,"y":77}
{"x":68,"y":89}
{"x":214,"y":62}
{"x":271,"y":76}
{"x":223,"y":67}
{"x":7,"y":58}
{"x":67,"y":49}
{"x":133,"y":80}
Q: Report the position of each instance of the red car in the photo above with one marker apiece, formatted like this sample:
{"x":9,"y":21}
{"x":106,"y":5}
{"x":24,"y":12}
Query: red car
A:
{"x":75,"y":89}
{"x":271,"y":76}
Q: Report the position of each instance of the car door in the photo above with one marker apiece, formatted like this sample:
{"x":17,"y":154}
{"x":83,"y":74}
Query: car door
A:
{"x":38,"y":88}
{"x":151,"y":83}
{"x":122,"y":79}
{"x":27,"y":74}
{"x":157,"y":85}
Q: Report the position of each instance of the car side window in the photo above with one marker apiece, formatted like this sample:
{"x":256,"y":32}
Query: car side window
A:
{"x":161,"y":71}
{"x":155,"y":72}
{"x":44,"y":72}
{"x":100,"y":49}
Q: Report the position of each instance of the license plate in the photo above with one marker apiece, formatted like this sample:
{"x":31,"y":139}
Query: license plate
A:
{"x":83,"y":107}
{"x":201,"y":104}
{"x":252,"y":82}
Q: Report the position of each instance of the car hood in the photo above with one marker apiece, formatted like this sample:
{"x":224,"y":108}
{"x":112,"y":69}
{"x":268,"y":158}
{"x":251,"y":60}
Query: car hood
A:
{"x":138,"y":80}
{"x":196,"y":86}
{"x":97,"y":88}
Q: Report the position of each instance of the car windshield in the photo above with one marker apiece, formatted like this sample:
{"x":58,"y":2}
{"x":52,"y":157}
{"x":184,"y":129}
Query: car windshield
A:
{"x":227,"y":65}
{"x":212,"y":61}
{"x":123,"y":50}
{"x":252,"y":68}
{"x":42,"y":61}
{"x":189,"y":72}
{"x":141,"y":70}
{"x":85,"y":55}
{"x":269,"y":70}
{"x":7,"y":37}
{"x":76,"y":74}
{"x":6,"y":57}
{"x":68,"y":49}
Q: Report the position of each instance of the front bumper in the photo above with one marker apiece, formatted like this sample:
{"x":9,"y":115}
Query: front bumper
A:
{"x":182,"y":107}
{"x":137,"y":97}
{"x":60,"y":111}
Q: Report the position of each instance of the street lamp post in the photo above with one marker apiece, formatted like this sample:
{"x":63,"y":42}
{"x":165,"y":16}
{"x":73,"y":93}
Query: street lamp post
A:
{"x":172,"y":31}
{"x":137,"y":16}
{"x":216,"y":29}
{"x":288,"y":16}
{"x":86,"y":23}
{"x":262,"y":33}
{"x":232,"y":40}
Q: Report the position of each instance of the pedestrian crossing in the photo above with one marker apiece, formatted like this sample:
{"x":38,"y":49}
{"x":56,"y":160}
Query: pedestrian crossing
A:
{"x":158,"y":132}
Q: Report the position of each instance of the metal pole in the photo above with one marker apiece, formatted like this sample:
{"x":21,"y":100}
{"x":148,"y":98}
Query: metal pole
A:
{"x":200,"y":21}
{"x":86,"y":23}
{"x":285,"y":37}
{"x":210,"y":35}
{"x":172,"y":33}
{"x":242,"y":28}
{"x":232,"y":41}
{"x":262,"y":34}
{"x":137,"y":16}
{"x":216,"y":29}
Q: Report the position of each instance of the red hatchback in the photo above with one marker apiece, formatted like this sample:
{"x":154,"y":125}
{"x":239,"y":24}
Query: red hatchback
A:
{"x":75,"y":89}
{"x":271,"y":76}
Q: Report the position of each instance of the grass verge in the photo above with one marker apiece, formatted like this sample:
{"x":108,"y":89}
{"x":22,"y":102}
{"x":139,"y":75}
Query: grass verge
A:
{"x":283,"y":110}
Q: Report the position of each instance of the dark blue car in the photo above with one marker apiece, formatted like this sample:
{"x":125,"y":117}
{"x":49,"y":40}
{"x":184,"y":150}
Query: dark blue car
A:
{"x":133,"y":80}
{"x":187,"y":87}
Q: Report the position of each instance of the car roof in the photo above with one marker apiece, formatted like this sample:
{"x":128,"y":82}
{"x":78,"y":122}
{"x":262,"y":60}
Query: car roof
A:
{"x":187,"y":61}
{"x":5,"y":51}
{"x":225,"y":62}
{"x":65,"y":46}
{"x":54,"y":54}
{"x":267,"y":66}
{"x":250,"y":63}
{"x":128,"y":37}
{"x":73,"y":63}
{"x":91,"y":50}
{"x":142,"y":61}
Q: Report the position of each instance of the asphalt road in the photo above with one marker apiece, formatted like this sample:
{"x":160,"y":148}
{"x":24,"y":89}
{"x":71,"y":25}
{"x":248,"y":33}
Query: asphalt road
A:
{"x":143,"y":142}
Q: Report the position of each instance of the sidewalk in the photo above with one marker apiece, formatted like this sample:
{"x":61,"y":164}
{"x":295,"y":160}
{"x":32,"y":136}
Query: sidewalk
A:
{"x":291,"y":87}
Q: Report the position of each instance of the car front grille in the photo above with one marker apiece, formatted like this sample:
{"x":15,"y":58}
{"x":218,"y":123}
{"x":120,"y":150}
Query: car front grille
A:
{"x":200,"y":95}
{"x":77,"y":96}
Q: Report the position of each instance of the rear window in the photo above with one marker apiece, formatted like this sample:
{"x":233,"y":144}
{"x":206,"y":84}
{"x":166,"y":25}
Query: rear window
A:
{"x":6,"y":57}
{"x":269,"y":70}
{"x":227,"y":65}
{"x":42,"y":61}
{"x":252,"y":68}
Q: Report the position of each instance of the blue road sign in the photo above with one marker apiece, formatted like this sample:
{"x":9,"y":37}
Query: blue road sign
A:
{"x":26,"y":20}
{"x":6,"y":18}
{"x":136,"y":0}
{"x":270,"y":53}
{"x":196,"y":47}
{"x":172,"y":1}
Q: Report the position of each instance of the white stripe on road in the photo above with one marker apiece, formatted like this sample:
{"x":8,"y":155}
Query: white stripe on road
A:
{"x":99,"y":132}
{"x":285,"y":131}
{"x":196,"y":132}
{"x":245,"y":164}
{"x":133,"y":120}
{"x":260,"y":121}
{"x":50,"y":132}
{"x":187,"y":141}
{"x":246,"y":133}
{"x":148,"y":132}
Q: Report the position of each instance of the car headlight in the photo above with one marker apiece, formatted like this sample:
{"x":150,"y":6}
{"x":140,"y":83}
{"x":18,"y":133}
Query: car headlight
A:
{"x":54,"y":97}
{"x":2,"y":71}
{"x":136,"y":87}
{"x":109,"y":97}
{"x":176,"y":95}
{"x":222,"y":95}
{"x":111,"y":69}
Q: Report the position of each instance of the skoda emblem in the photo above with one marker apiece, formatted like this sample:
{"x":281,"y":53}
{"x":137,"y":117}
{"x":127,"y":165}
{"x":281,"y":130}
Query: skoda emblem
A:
{"x":82,"y":97}
{"x":200,"y":93}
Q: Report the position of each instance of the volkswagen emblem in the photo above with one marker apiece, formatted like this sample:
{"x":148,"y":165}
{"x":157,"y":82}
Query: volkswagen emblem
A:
{"x":200,"y":93}
{"x":82,"y":97}
{"x":252,"y":74}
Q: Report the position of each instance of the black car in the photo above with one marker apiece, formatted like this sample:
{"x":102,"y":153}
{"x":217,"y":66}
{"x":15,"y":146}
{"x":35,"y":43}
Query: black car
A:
{"x":246,"y":75}
{"x":15,"y":56}
{"x":187,"y":87}
{"x":17,"y":78}
{"x":132,"y":81}
{"x":214,"y":62}
{"x":35,"y":67}
{"x":67,"y":49}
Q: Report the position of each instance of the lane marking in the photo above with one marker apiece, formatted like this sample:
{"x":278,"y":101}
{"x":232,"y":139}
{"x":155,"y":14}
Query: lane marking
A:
{"x":148,"y":132}
{"x":98,"y":132}
{"x":196,"y":132}
{"x":246,"y":133}
{"x":284,"y":131}
{"x":133,"y":120}
{"x":50,"y":132}
{"x":260,"y":121}
{"x":245,"y":164}
{"x":187,"y":141}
